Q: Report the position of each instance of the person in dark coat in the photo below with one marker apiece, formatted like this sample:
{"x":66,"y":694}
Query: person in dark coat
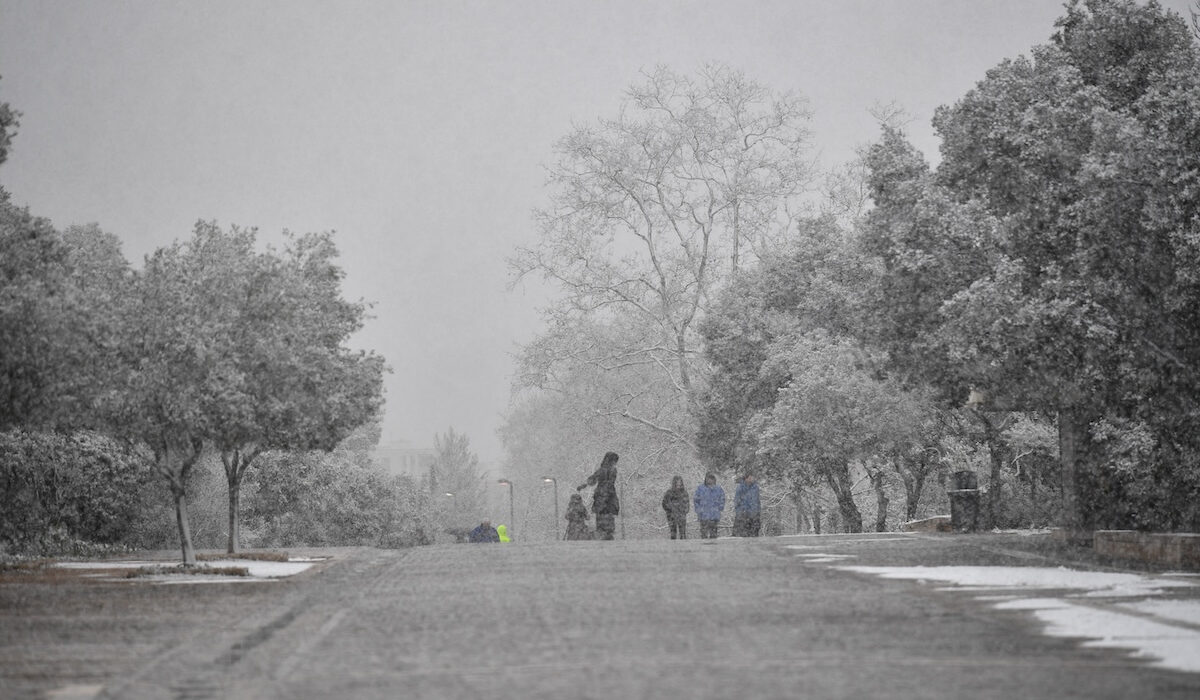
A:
{"x":747,"y":508}
{"x":675,"y":503}
{"x":709,"y":501}
{"x":577,"y":515}
{"x":604,"y":499}
{"x":484,"y":533}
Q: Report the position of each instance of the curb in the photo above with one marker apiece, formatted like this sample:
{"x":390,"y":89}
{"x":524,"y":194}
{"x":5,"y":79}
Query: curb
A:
{"x":1174,"y":548}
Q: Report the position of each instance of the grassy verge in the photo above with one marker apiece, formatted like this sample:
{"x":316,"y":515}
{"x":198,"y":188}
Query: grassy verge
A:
{"x":187,"y":570}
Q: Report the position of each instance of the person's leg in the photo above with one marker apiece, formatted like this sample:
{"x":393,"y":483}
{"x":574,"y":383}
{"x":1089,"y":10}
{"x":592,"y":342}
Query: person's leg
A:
{"x":682,"y":529}
{"x":605,"y":525}
{"x":754,"y":526}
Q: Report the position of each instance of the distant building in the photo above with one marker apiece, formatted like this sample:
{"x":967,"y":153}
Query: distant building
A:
{"x":401,"y":457}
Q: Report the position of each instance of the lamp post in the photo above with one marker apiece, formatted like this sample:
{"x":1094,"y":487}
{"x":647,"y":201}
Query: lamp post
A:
{"x":552,"y":480}
{"x":509,"y":484}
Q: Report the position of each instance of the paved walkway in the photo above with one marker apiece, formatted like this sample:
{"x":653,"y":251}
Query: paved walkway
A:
{"x":638,"y":619}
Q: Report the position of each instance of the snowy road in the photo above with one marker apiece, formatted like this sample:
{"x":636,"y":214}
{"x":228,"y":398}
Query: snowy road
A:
{"x":829,"y":617}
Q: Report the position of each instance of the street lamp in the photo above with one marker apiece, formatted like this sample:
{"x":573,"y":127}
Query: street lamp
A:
{"x":509,"y":484}
{"x":552,"y":480}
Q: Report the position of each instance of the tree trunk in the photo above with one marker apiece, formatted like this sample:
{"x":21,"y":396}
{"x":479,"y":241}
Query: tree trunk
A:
{"x":236,"y":463}
{"x":235,"y":520}
{"x":851,"y":516}
{"x":838,"y":476}
{"x":991,"y":437}
{"x":185,"y":531}
{"x":798,"y":500}
{"x":912,"y":472}
{"x":177,"y":479}
{"x":881,"y":501}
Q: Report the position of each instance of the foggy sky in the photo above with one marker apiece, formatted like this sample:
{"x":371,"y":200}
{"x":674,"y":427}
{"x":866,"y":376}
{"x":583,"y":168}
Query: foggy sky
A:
{"x":418,"y":131}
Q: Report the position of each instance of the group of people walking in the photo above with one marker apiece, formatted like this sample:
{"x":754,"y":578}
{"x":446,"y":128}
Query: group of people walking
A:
{"x":708,"y":501}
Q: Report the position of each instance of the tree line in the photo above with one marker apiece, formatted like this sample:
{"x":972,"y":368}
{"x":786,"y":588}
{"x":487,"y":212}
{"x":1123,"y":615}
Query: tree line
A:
{"x":215,"y":346}
{"x":1025,"y":308}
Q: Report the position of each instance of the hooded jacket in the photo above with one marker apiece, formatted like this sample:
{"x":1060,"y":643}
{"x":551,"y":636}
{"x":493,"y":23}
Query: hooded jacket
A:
{"x":709,"y":501}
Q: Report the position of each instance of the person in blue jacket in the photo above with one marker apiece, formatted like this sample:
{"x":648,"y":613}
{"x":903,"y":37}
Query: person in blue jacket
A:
{"x":747,"y":508}
{"x":709,"y":501}
{"x":484,"y":533}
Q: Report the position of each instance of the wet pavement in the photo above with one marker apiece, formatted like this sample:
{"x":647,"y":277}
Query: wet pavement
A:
{"x":767,"y":618}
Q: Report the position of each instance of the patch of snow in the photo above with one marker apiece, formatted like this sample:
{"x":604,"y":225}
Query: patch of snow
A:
{"x":1182,"y":610}
{"x":258,"y":570}
{"x":1024,"y":533}
{"x":105,"y":564}
{"x":822,"y":557}
{"x":1119,"y":625}
{"x":1033,"y":604}
{"x":264,"y":569}
{"x":1094,"y":582}
{"x":1172,"y":647}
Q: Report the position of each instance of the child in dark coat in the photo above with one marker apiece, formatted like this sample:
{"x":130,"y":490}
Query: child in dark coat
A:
{"x":675,"y":503}
{"x":577,"y":515}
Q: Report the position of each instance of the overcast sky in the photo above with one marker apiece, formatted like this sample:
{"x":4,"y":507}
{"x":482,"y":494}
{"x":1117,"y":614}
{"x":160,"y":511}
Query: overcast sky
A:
{"x":418,"y":131}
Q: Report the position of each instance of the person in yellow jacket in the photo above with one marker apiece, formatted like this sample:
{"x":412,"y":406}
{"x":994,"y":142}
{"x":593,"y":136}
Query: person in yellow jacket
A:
{"x":503,"y":531}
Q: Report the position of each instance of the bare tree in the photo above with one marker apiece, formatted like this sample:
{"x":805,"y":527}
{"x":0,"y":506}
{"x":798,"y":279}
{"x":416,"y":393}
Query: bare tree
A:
{"x":650,"y":212}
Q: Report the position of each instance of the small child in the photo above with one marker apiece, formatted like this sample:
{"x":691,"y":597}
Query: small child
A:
{"x":577,"y":515}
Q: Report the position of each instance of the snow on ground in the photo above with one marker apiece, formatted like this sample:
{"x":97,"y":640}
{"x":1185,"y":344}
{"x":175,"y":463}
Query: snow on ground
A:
{"x":1096,"y":606}
{"x":258,"y":570}
{"x":1089,"y":583}
{"x":818,"y":557}
{"x":1182,"y":610}
{"x":1169,"y":646}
